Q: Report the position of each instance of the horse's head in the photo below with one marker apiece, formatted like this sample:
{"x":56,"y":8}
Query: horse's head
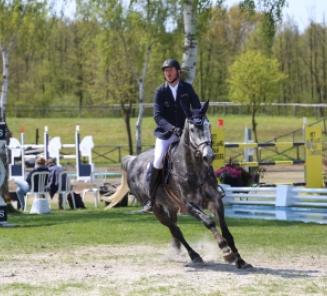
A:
{"x":198,"y":127}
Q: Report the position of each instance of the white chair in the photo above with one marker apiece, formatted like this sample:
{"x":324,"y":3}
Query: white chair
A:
{"x":41,"y":202}
{"x":65,"y":188}
{"x":93,"y":189}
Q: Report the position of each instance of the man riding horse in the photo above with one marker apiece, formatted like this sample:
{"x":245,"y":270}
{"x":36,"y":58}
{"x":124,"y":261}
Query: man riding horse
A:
{"x":173,"y":101}
{"x":190,"y":182}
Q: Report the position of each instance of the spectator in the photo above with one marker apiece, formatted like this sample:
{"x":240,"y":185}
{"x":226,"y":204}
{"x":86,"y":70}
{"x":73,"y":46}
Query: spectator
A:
{"x":24,"y":186}
{"x":53,"y":182}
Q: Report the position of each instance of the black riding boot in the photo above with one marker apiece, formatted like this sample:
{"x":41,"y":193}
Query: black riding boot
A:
{"x":152,"y":178}
{"x":60,"y":202}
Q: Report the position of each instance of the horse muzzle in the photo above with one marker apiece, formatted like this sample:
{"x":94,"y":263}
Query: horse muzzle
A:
{"x":207,"y":154}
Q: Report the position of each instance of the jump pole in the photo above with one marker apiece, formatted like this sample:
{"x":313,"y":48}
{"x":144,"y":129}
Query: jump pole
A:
{"x":312,"y":145}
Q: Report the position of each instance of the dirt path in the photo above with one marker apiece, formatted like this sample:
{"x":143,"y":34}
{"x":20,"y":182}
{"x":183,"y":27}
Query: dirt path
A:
{"x":158,"y":270}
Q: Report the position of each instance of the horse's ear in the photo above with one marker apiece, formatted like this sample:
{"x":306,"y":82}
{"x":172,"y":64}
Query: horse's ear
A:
{"x":205,"y":107}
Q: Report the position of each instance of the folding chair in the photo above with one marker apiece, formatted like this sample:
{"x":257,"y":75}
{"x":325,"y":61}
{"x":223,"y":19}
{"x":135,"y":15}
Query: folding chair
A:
{"x":41,"y":203}
{"x":94,"y":190}
{"x":65,"y":188}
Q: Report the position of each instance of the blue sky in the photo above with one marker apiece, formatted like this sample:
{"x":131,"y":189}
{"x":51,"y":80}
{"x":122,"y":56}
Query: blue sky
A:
{"x":301,"y":11}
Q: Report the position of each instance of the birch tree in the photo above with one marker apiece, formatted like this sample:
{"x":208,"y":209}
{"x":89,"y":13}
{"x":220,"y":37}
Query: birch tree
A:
{"x":140,"y":82}
{"x":9,"y":14}
{"x":15,"y":20}
{"x":189,"y":59}
{"x":5,"y":82}
{"x":151,"y":27}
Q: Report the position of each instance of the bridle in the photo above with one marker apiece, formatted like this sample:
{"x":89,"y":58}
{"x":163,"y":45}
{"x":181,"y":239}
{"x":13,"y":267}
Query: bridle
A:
{"x":198,"y":154}
{"x":197,"y":147}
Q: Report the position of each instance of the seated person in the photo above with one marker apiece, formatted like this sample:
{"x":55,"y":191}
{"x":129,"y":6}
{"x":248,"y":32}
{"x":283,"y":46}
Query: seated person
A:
{"x":24,"y":186}
{"x":53,"y":181}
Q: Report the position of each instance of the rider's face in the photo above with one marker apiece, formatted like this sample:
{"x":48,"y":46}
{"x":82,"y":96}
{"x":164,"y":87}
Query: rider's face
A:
{"x":171,"y":74}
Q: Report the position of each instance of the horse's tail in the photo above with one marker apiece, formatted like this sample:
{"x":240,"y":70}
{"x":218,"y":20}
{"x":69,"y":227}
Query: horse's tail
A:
{"x":123,"y":188}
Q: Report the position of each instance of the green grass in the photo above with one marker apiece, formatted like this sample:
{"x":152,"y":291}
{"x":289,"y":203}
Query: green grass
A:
{"x":26,"y":289}
{"x":66,"y":229}
{"x":63,"y":232}
{"x":112,"y":132}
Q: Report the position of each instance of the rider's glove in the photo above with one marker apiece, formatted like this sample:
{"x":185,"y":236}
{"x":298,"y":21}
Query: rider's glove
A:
{"x":177,"y":131}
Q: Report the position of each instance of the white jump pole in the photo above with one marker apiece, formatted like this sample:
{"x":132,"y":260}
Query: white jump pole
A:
{"x":46,"y":143}
{"x":77,"y":151}
{"x":22,"y":152}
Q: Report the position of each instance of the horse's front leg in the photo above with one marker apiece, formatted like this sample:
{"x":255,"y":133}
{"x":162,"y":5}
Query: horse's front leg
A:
{"x":217,"y":207}
{"x":208,"y":222}
{"x":169,"y":219}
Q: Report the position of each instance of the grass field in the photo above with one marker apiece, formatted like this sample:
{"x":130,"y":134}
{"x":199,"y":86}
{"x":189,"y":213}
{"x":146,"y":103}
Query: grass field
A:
{"x":97,"y":252}
{"x":112,"y":132}
{"x":63,"y":229}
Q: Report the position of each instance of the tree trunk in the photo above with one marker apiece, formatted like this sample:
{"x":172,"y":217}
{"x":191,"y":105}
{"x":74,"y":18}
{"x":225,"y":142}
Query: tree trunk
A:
{"x":254,"y":128}
{"x":324,"y":72}
{"x":190,"y":43}
{"x":5,"y":83}
{"x":311,"y":65}
{"x":4,"y":156}
{"x":127,"y":116}
{"x":140,"y":82}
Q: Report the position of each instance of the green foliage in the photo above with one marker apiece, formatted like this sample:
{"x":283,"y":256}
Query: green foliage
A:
{"x":271,"y":14}
{"x":254,"y":78}
{"x":55,"y":61}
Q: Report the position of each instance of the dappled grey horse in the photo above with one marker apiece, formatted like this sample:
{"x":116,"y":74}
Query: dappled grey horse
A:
{"x":188,"y":184}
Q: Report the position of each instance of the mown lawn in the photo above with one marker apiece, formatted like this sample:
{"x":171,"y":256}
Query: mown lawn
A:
{"x":91,"y":227}
{"x":112,"y":130}
{"x":108,"y":133}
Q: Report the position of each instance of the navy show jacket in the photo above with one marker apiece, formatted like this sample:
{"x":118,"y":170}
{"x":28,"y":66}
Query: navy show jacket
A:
{"x":169,"y":113}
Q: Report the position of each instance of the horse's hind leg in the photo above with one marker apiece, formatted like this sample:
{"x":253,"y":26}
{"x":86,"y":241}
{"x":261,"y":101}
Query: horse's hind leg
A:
{"x":176,"y":244}
{"x":196,"y":212}
{"x":169,"y":220}
{"x":218,"y":210}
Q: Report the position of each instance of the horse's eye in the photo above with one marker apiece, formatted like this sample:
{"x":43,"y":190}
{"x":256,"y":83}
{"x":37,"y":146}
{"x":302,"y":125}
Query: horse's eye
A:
{"x":192,"y":129}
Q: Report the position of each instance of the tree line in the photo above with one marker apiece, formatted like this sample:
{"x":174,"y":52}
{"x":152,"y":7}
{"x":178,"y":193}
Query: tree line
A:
{"x":111,"y":51}
{"x":98,"y":56}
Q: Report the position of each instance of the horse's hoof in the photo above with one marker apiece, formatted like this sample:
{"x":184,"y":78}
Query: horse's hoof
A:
{"x":247,"y":266}
{"x":229,"y":256}
{"x":197,"y":260}
{"x":241,"y":264}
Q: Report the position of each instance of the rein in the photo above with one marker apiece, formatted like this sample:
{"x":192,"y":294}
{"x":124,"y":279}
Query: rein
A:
{"x":189,"y":177}
{"x":197,"y":147}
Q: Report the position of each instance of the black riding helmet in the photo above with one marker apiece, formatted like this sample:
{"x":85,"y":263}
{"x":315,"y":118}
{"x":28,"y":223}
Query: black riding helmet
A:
{"x":170,"y":63}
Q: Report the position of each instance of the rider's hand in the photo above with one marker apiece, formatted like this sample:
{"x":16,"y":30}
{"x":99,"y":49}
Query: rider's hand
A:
{"x":177,"y":131}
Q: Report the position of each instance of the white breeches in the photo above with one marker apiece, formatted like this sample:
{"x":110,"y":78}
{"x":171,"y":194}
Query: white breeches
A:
{"x":161,"y":149}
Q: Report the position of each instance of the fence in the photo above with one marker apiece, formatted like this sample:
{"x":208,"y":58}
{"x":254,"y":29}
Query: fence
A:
{"x":283,"y":202}
{"x":279,"y":196}
{"x":113,"y":110}
{"x":112,"y":154}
